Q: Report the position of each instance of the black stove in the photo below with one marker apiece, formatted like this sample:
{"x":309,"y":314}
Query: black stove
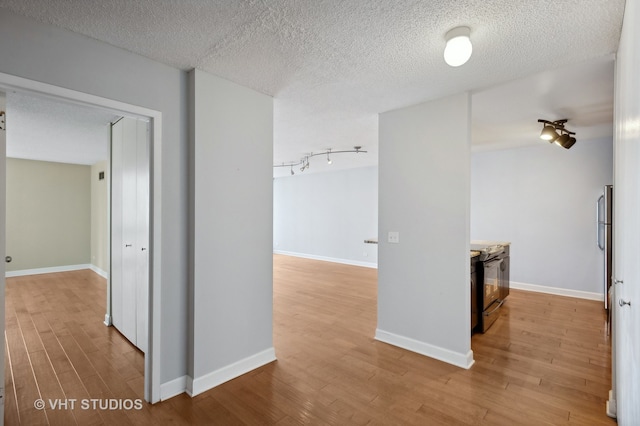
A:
{"x":493,"y":282}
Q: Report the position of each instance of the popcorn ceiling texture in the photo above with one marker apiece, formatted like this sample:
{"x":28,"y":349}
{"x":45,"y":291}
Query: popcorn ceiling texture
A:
{"x":47,"y":130}
{"x":332,"y":65}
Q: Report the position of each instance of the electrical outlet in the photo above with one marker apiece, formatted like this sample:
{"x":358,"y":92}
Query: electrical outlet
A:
{"x":393,"y":237}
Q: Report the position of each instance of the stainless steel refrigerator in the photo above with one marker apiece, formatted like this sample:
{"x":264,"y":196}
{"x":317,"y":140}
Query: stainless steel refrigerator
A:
{"x":604,"y":218}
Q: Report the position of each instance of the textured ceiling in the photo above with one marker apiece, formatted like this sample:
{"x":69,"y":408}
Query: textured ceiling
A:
{"x":333,"y":65}
{"x":49,"y":130}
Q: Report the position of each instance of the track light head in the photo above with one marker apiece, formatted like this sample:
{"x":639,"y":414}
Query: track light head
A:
{"x":562,"y":139}
{"x":566,"y":141}
{"x":549,"y":133}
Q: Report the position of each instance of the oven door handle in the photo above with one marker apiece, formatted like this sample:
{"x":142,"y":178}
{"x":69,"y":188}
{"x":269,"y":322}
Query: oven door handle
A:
{"x":486,"y":314}
{"x":599,"y":223}
{"x":491,"y":263}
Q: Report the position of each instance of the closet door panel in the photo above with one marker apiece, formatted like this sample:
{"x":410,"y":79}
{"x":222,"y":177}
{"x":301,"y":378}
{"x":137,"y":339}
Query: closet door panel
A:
{"x":117,"y":243}
{"x":129,"y":224}
{"x":130,"y":229}
{"x":142,"y":234}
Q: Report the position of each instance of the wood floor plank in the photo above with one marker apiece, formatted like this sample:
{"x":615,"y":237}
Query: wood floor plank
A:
{"x":545,"y":361}
{"x":11,"y":415}
{"x":100,"y":394}
{"x":288,"y":399}
{"x":26,"y":387}
{"x":50,"y":390}
{"x":75,"y":390}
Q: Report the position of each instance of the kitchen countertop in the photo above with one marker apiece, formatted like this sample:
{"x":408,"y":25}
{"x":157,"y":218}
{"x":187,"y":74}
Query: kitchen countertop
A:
{"x":473,"y":242}
{"x":490,"y":243}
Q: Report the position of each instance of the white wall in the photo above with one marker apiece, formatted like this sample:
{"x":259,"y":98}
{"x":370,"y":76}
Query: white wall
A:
{"x":327,"y":215}
{"x":626,"y":318}
{"x":542,"y":199}
{"x":423,"y":281}
{"x":62,"y":58}
{"x":232,"y":208}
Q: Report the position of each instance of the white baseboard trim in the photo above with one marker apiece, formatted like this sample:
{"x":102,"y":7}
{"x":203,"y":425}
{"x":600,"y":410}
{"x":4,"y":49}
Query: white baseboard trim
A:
{"x":557,"y":291}
{"x":107,"y":320}
{"x":328,"y":259}
{"x":49,"y":270}
{"x":173,"y":387}
{"x":612,"y":406}
{"x":99,"y":271}
{"x":189,"y":386}
{"x":455,"y":358}
{"x":224,"y":374}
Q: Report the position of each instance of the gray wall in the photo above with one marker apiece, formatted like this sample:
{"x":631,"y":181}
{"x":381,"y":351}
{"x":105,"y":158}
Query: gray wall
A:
{"x":48,"y":214}
{"x":327,"y":215}
{"x":62,"y":58}
{"x":423,"y":281}
{"x":232,"y":206}
{"x":542,"y":199}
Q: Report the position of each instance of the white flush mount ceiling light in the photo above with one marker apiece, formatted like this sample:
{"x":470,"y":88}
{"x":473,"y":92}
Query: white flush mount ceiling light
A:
{"x":458,"y":48}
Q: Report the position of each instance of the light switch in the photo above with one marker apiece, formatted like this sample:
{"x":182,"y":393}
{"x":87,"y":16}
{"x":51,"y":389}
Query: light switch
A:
{"x":394,"y":237}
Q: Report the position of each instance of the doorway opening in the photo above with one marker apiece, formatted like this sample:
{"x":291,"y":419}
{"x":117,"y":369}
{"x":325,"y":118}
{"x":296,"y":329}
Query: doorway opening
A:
{"x":12,"y":84}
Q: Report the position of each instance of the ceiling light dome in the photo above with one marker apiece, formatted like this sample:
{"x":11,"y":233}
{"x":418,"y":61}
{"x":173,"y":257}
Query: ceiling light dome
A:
{"x":458,"y":48}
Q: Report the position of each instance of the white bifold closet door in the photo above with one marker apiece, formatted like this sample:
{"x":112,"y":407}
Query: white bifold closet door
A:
{"x":130,"y":229}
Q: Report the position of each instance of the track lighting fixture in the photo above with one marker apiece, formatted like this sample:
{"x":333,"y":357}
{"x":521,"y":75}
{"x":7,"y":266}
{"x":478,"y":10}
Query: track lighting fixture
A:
{"x":304,"y":161}
{"x":550,"y":133}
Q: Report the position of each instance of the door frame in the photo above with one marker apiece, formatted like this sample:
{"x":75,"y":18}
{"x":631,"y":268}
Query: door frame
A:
{"x":9,"y":83}
{"x":3,"y":195}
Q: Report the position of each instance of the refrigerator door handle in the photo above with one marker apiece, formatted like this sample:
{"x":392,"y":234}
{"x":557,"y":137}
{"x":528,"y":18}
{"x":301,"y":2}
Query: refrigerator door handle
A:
{"x":598,"y":223}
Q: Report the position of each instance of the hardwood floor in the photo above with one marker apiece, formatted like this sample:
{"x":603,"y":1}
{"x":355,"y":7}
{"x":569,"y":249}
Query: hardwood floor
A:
{"x":545,"y":361}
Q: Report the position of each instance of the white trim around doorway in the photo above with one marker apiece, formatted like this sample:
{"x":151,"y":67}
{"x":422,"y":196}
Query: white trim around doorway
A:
{"x":152,"y":357}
